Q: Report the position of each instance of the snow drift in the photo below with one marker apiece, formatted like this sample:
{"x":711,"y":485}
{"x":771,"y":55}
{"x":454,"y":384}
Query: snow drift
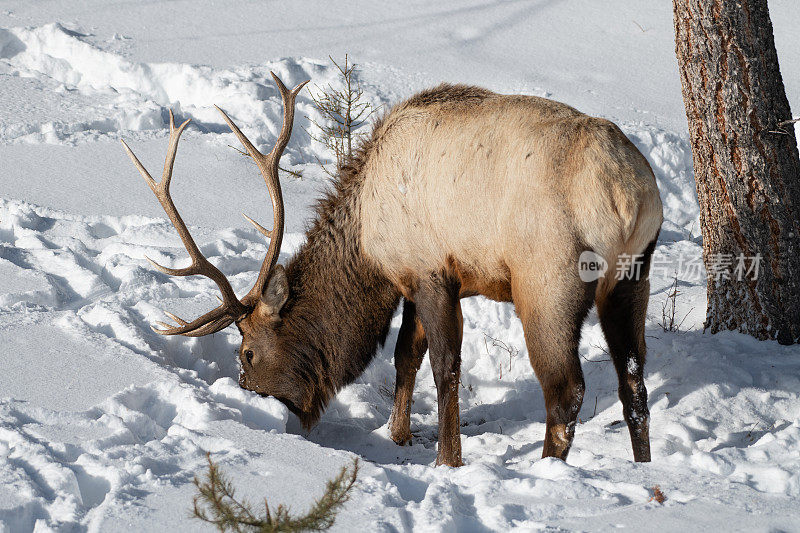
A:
{"x":103,"y":423}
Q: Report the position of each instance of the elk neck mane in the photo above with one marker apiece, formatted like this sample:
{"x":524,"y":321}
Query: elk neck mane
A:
{"x":340,"y":304}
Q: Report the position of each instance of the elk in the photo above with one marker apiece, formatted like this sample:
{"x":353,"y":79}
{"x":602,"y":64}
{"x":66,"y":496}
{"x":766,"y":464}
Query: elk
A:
{"x":459,"y":191}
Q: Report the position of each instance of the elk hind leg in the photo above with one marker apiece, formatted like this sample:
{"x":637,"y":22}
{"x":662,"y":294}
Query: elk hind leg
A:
{"x":408,"y":353}
{"x":552,"y":320}
{"x":622,"y":316}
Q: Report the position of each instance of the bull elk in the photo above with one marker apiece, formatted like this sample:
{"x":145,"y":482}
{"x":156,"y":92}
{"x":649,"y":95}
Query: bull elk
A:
{"x":459,"y":191}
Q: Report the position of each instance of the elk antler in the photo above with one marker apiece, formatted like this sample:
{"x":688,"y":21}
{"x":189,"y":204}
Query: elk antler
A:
{"x":268,"y":165}
{"x":231,"y":309}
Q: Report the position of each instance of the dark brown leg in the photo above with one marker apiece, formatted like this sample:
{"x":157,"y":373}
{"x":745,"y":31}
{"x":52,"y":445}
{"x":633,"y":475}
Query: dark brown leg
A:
{"x":552,"y":318}
{"x":559,"y":372}
{"x":439,"y":310}
{"x":408,"y":353}
{"x":622,"y":317}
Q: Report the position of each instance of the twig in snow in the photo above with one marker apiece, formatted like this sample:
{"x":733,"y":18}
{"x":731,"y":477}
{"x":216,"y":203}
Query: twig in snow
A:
{"x":512,"y":352}
{"x":599,"y":347}
{"x":386,"y":389}
{"x":669,"y":322}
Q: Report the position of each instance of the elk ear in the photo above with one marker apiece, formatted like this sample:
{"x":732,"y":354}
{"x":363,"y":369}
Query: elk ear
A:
{"x":276,"y":292}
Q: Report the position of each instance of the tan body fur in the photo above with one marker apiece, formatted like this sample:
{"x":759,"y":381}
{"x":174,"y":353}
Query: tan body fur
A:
{"x":498,"y":185}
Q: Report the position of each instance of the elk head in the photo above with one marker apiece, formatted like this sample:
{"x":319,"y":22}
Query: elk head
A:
{"x":257,"y":314}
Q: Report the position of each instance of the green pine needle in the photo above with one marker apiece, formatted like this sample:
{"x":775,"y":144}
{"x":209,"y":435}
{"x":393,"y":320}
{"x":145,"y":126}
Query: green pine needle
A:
{"x":216,"y":504}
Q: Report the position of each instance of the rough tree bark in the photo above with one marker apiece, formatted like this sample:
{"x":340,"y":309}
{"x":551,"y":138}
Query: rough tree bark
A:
{"x":745,"y":163}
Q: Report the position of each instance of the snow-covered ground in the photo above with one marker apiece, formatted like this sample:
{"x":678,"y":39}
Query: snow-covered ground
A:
{"x":103,"y":423}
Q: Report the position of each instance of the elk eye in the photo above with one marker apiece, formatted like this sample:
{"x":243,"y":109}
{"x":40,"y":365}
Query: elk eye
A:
{"x":248,"y":355}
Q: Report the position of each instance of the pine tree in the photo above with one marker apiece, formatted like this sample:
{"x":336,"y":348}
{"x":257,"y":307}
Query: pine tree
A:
{"x":746,"y":166}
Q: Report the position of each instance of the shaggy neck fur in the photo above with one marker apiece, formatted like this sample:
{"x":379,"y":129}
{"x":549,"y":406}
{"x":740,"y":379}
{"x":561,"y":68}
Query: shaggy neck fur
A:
{"x":340,"y":305}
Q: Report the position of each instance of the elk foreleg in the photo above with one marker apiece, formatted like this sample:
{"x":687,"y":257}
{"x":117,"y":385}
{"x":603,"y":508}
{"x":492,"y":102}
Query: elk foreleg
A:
{"x":408,"y":353}
{"x":439,"y":310}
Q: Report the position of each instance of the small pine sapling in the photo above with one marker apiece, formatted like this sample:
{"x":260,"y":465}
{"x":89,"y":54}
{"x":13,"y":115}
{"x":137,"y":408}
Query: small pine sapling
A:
{"x":216,"y":504}
{"x":344,"y":111}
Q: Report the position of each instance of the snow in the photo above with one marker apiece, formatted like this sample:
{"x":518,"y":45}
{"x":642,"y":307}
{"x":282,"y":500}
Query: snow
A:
{"x":104,"y":424}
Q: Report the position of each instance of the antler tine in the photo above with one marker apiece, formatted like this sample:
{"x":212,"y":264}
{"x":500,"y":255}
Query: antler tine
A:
{"x":176,"y":318}
{"x":231,"y":308}
{"x":267,"y":233}
{"x":172,"y":150}
{"x":268,"y":165}
{"x":211,"y":322}
{"x":288,"y":98}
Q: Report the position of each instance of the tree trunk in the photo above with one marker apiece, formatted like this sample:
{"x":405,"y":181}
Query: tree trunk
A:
{"x":745,"y":164}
